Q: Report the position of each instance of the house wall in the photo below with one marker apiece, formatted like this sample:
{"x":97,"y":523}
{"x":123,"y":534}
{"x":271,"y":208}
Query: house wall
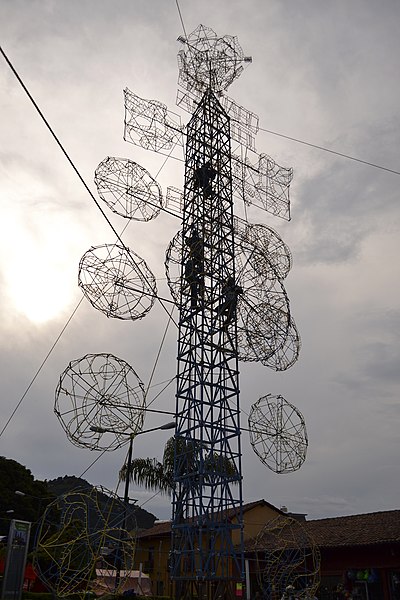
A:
{"x":153,"y":551}
{"x":153,"y":554}
{"x":341,"y":565}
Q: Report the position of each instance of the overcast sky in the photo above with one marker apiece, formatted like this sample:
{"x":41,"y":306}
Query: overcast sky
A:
{"x":323,"y":72}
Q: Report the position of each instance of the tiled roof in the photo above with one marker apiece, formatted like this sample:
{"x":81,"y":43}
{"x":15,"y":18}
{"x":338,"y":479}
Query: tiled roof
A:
{"x":164,"y":528}
{"x":356,"y":530}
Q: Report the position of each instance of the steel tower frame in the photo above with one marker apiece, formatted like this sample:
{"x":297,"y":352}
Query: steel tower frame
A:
{"x":207,"y":522}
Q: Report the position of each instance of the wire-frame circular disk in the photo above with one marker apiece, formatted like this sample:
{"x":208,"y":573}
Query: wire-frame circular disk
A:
{"x":287,"y":558}
{"x":263,"y":305}
{"x":268,"y":243}
{"x":278,"y":347}
{"x":208,"y":61}
{"x":117,"y":282}
{"x":278,"y":434}
{"x":82,"y":541}
{"x":128,"y":189}
{"x":100,"y":390}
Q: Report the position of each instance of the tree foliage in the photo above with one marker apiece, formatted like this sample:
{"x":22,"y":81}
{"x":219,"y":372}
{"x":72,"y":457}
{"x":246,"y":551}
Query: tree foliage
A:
{"x":155,"y":475}
{"x":15,"y":477}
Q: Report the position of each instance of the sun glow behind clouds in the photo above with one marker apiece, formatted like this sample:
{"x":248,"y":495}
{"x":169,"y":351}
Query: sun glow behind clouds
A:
{"x":39,"y":271}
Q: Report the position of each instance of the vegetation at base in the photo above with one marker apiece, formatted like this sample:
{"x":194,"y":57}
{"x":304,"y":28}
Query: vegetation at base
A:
{"x":28,"y":507}
{"x":38,"y":494}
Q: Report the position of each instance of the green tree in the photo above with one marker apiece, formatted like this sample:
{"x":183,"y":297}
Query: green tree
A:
{"x":155,"y":475}
{"x":35,"y":496}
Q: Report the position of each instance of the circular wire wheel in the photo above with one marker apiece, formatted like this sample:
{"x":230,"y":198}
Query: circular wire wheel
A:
{"x":278,"y":434}
{"x":100,"y":391}
{"x":277,"y":347}
{"x":83,"y":544}
{"x":268,"y":243}
{"x":288,"y":560}
{"x":286,"y":354}
{"x":262,"y":308}
{"x":117,"y":282}
{"x":128,"y":189}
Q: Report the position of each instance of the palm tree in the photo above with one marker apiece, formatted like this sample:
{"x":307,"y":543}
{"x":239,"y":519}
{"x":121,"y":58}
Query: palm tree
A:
{"x":159,"y":476}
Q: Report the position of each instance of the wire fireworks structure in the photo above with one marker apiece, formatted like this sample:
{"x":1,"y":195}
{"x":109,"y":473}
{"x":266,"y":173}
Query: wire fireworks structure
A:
{"x":117,"y":282}
{"x":278,"y":434}
{"x":128,"y":189}
{"x":100,"y":391}
{"x":83,"y":543}
{"x":226,"y":277}
{"x":287,"y":558}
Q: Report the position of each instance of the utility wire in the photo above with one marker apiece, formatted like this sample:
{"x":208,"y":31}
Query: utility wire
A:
{"x":181,"y":19}
{"x":161,"y":300}
{"x":364,"y":162}
{"x":71,"y":162}
{"x":41,"y":367}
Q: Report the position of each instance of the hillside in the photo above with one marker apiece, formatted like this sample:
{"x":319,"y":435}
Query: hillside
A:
{"x":68,"y":483}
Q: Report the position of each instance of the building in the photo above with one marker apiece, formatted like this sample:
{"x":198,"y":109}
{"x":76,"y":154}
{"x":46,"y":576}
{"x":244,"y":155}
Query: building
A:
{"x":154,"y":545}
{"x":360,"y":552}
{"x":360,"y":556}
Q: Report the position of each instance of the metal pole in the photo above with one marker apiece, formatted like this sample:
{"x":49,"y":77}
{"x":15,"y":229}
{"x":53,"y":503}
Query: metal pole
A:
{"x":124,"y":522}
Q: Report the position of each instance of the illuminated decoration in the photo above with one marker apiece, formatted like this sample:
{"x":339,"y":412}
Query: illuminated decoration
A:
{"x":149,"y":124}
{"x":81,"y":534}
{"x":128,"y":189}
{"x":278,"y":434}
{"x":117,"y":282}
{"x":287,"y":558}
{"x":101,"y":391}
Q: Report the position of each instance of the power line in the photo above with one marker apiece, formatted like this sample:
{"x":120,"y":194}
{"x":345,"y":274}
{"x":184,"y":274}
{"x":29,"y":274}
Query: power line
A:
{"x":41,"y":367}
{"x":364,"y":162}
{"x":69,"y":159}
{"x":161,"y":300}
{"x":181,"y":19}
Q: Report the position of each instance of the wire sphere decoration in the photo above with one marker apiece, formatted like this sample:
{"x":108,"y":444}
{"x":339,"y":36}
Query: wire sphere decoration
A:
{"x":128,"y":189}
{"x":278,"y":434}
{"x":117,"y":282}
{"x":263,"y":306}
{"x":287,"y":559}
{"x":208,"y":61}
{"x":83,"y":543}
{"x":101,"y":391}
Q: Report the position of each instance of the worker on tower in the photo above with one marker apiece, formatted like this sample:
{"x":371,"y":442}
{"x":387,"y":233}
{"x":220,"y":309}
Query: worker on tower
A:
{"x":194,"y":266}
{"x":203,"y":178}
{"x":192,"y":278}
{"x":196,"y":249}
{"x":231,"y":293}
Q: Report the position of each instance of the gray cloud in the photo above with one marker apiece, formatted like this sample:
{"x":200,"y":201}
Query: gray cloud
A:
{"x":321,"y":74}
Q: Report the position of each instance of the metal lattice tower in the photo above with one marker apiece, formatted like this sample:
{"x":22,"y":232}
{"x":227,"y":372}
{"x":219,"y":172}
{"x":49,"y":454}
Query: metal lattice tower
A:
{"x":207,"y":504}
{"x":226,"y":277}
